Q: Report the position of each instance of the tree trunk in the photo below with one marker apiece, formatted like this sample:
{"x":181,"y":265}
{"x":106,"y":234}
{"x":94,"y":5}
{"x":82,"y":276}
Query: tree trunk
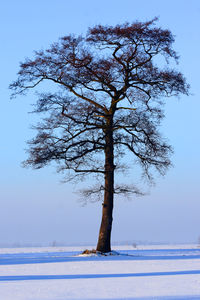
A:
{"x":104,"y":241}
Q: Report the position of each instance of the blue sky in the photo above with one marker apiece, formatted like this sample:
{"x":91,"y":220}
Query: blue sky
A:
{"x":35,"y":206}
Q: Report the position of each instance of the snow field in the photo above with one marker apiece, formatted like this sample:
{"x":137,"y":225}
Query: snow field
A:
{"x":60,"y":274}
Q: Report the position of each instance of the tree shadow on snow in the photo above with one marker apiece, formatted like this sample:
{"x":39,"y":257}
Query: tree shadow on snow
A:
{"x":186,"y":297}
{"x":93,"y":276}
{"x":52,"y":257}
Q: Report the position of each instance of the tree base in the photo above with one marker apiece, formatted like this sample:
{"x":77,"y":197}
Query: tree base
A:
{"x":93,"y":251}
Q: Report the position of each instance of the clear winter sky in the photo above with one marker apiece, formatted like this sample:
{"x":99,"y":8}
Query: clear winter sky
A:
{"x":34,"y":206}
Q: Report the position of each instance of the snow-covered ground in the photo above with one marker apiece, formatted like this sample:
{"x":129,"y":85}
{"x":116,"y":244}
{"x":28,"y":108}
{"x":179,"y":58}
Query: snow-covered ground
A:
{"x":61,"y":273}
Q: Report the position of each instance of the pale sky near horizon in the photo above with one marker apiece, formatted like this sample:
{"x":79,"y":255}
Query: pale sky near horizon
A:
{"x":34,"y":206}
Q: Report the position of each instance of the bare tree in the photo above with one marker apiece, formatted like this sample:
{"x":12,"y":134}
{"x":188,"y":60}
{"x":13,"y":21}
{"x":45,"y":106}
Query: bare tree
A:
{"x":112,"y":83}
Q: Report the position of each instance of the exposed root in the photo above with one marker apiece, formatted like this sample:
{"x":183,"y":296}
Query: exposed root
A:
{"x":93,"y":251}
